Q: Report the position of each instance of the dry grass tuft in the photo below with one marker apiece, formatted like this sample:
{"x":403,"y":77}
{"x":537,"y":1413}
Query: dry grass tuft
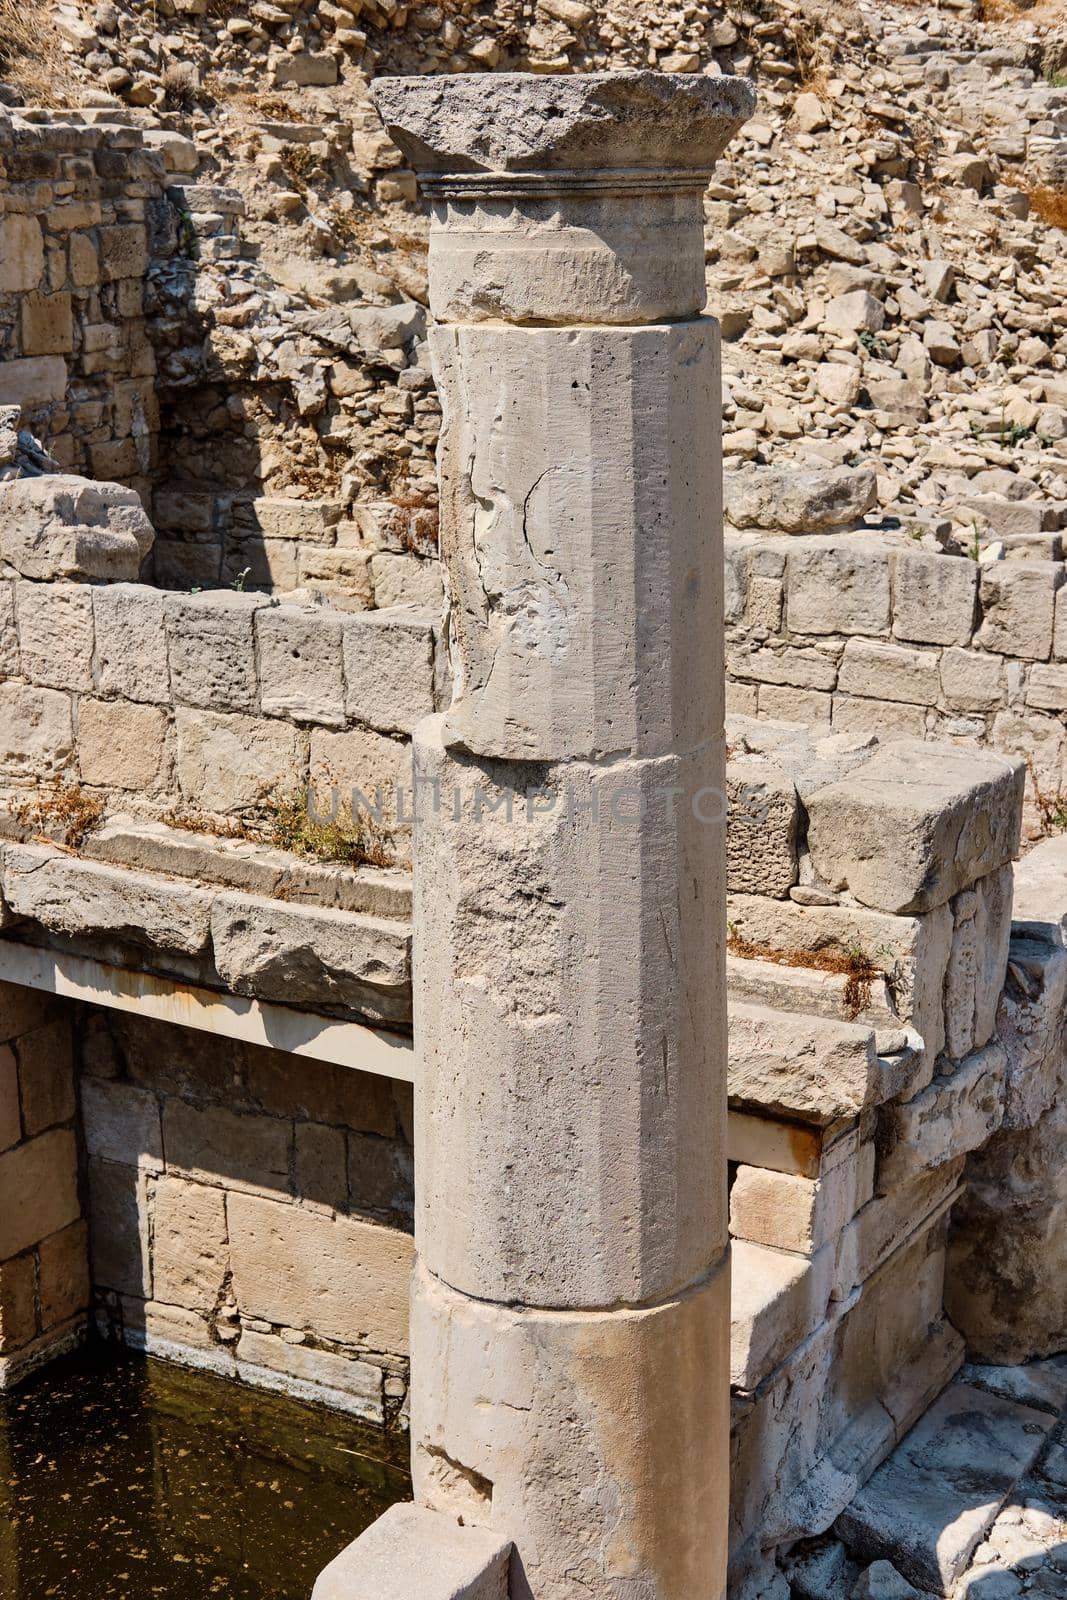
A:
{"x":1049,"y":204}
{"x":853,"y":964}
{"x":348,"y":840}
{"x":31,"y":56}
{"x":1052,"y":808}
{"x":63,"y":808}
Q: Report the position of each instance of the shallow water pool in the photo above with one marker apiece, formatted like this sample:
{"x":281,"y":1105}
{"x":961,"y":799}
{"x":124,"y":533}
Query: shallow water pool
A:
{"x":124,"y":1478}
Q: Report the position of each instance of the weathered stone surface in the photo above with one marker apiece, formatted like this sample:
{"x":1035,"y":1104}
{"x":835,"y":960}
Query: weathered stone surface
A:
{"x":213,"y":1145}
{"x":971,"y":681}
{"x":300,"y":666}
{"x":73,"y":896}
{"x":59,"y":526}
{"x":975,"y":975}
{"x":886,"y":671}
{"x":540,"y":1403}
{"x":232,"y":763}
{"x":763,"y":820}
{"x":121,"y":1123}
{"x":339,"y":1381}
{"x":790,"y":501}
{"x":1018,"y":600}
{"x":809,"y":1068}
{"x":211,"y":646}
{"x":838,"y":587}
{"x":776,"y":1300}
{"x":38,"y":1190}
{"x":934,"y":597}
{"x":18,"y":1314}
{"x":55,"y":623}
{"x":348,"y":1279}
{"x":10,"y":1114}
{"x":312,"y":955}
{"x":915,"y":824}
{"x":190,"y":1254}
{"x":953,"y":1115}
{"x":411,"y":1552}
{"x":574,"y":637}
{"x":788,"y":1212}
{"x":46,"y":1076}
{"x":131,"y":644}
{"x":930,"y":1505}
{"x":511,"y":122}
{"x":389,"y":668}
{"x":63,"y":1275}
{"x":556,"y":1209}
{"x":121,"y":746}
{"x":119,"y":1229}
{"x":36,"y":730}
{"x":21,"y":253}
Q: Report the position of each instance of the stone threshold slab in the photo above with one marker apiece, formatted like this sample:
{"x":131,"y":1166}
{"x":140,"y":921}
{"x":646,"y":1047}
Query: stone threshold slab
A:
{"x":300,"y":1033}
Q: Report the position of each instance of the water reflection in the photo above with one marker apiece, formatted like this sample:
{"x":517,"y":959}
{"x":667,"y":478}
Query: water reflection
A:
{"x":122,"y":1478}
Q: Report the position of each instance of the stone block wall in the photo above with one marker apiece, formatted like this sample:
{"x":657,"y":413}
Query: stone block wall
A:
{"x":249,"y":1212}
{"x":44,"y":1283}
{"x":873,"y":633}
{"x":868,"y":954}
{"x":79,"y":209}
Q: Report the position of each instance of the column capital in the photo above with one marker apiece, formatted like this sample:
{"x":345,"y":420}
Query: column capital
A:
{"x":565,"y":199}
{"x":524,"y":122}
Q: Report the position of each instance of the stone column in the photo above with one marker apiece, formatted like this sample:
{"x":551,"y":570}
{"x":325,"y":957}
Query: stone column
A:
{"x":571,"y":1303}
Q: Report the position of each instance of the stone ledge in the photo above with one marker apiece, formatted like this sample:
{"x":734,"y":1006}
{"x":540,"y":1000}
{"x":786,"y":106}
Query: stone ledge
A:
{"x":414,"y":1554}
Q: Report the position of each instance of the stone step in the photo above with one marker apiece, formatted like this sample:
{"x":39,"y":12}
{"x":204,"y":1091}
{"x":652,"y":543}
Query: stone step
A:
{"x":808,"y":990}
{"x":932,"y":1503}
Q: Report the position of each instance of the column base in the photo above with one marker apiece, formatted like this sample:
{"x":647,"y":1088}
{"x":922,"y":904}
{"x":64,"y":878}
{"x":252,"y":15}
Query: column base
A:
{"x":414,"y":1554}
{"x":596,"y":1441}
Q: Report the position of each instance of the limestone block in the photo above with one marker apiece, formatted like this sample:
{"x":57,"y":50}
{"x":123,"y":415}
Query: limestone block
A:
{"x":915,"y":824}
{"x":389,"y":668}
{"x":367,"y":768}
{"x":72,"y":896}
{"x":119,"y":1229}
{"x":1030,"y":1026}
{"x":22,"y":1009}
{"x":786,"y":500}
{"x":131,"y":643}
{"x":300,"y":666}
{"x":18,"y":1313}
{"x":21,"y":253}
{"x":933,"y":597}
{"x":120,"y":1123}
{"x":307,"y":67}
{"x":232,"y":763}
{"x":881,"y":1227}
{"x":533,"y":1406}
{"x":579,"y":540}
{"x":931,"y":1504}
{"x":313,"y":520}
{"x":855,"y":311}
{"x":794,"y":705}
{"x":339,"y":1381}
{"x":190,"y":1252}
{"x":46,"y":1076}
{"x":971,"y":681}
{"x":1040,"y":901}
{"x":335,"y":1276}
{"x":762,"y":825}
{"x":777,"y":1300}
{"x":790,"y":1212}
{"x":63,"y":1275}
{"x":1046,"y":688}
{"x":888,"y":672}
{"x":38,"y":1190}
{"x":411,"y":1553}
{"x":123,"y":251}
{"x":120,"y":746}
{"x":56,"y":634}
{"x":211,"y":647}
{"x":838,"y":587}
{"x":212,"y":1144}
{"x":955,"y":1114}
{"x":33,"y":381}
{"x":809,"y":1068}
{"x":36,"y":731}
{"x":60,"y":526}
{"x":313,"y":955}
{"x":344,"y":573}
{"x":887,"y":718}
{"x":47,"y":325}
{"x":1018,"y":600}
{"x":595,"y":989}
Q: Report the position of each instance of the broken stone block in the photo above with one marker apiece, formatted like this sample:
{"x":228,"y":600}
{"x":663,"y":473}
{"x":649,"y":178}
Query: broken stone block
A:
{"x":933,"y":1501}
{"x":855,"y":312}
{"x":808,"y":1068}
{"x":339,"y":1381}
{"x":59,"y":526}
{"x":72,"y":896}
{"x":788,"y":500}
{"x":411,"y":1553}
{"x":763,"y":816}
{"x":916,"y":823}
{"x":313,"y":955}
{"x":956,"y":1113}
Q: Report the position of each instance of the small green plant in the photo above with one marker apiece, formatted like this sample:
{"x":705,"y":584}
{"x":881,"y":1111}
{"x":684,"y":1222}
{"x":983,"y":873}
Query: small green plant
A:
{"x":1056,"y":78}
{"x":872,"y":344}
{"x":241,"y":580}
{"x":975,"y":551}
{"x":343,"y":837}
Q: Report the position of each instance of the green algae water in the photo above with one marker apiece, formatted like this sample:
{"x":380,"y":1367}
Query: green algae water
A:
{"x":124,"y":1478}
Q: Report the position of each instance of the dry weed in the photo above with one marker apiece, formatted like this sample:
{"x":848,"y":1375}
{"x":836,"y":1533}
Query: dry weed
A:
{"x":852,"y":964}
